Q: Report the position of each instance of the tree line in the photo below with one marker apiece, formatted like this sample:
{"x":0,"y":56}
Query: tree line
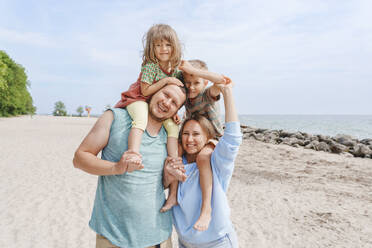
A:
{"x":14,"y":96}
{"x":60,"y":109}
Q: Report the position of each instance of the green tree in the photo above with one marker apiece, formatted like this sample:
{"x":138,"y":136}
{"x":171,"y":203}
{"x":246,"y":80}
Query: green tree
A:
{"x":80,"y":110}
{"x":14,"y":96}
{"x":59,"y":109}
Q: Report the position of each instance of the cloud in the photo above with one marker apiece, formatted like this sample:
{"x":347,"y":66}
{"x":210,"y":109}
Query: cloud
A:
{"x":27,"y":38}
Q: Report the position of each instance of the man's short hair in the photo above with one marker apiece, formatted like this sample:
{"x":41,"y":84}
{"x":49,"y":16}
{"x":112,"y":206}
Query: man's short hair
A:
{"x":199,"y":64}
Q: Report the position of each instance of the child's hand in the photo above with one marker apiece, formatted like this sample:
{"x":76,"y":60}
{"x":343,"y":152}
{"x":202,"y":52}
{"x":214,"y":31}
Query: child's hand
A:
{"x":175,"y":81}
{"x":227,"y":80}
{"x":227,"y":84}
{"x":185,"y":66}
{"x":177,"y":119}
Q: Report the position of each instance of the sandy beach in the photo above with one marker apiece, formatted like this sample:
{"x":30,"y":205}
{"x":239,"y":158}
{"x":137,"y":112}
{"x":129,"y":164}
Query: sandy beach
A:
{"x":280,"y":196}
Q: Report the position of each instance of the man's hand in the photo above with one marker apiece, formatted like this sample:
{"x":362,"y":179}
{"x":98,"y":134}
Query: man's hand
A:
{"x":129,"y":162}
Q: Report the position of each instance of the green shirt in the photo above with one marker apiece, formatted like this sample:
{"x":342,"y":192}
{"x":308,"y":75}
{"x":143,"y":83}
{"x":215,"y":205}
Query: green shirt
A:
{"x":151,"y":73}
{"x":127,"y":207}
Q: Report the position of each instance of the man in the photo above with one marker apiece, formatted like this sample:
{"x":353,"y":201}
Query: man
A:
{"x":130,"y":195}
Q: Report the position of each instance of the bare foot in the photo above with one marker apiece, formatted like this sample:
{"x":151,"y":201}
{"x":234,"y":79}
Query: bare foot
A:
{"x":171,"y":201}
{"x":202,"y":223}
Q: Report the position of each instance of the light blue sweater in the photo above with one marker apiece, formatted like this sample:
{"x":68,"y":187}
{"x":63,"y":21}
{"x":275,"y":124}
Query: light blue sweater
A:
{"x":126,"y":207}
{"x":186,"y":213}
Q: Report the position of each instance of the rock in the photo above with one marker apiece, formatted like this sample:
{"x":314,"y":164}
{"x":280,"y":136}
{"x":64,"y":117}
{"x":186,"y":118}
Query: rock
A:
{"x":258,"y":136}
{"x":306,"y":142}
{"x":249,"y":130}
{"x":284,"y":134}
{"x":347,"y":154}
{"x":271,"y":137}
{"x":290,"y":141}
{"x":299,"y":135}
{"x":323,"y":146}
{"x":345,"y":140}
{"x":366,"y":142}
{"x":361,"y":150}
{"x":260,"y":130}
{"x":336,"y":147}
{"x":313,"y":145}
{"x":313,"y":137}
{"x":323,"y":138}
{"x":243,"y":126}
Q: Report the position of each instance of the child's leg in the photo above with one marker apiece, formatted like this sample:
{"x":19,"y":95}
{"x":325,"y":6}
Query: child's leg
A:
{"x":172,"y":148}
{"x":138,"y":111}
{"x":172,"y":197}
{"x":203,"y":161}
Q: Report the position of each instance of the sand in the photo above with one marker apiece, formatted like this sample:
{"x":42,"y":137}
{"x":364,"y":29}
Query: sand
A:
{"x":280,"y":196}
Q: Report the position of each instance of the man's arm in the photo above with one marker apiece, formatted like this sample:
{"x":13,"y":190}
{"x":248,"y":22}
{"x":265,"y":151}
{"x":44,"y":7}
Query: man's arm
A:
{"x":86,"y":155}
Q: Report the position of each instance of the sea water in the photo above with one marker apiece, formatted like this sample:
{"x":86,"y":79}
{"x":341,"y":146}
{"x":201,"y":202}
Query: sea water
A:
{"x":358,"y":126}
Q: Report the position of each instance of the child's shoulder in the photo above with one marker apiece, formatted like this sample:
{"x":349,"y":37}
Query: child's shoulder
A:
{"x":150,"y":66}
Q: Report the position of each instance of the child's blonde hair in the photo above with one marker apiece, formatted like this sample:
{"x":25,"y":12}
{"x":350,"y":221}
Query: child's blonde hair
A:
{"x":161,"y":32}
{"x":199,"y":64}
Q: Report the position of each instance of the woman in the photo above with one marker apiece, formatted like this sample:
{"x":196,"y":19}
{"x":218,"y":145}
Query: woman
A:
{"x":195,"y":134}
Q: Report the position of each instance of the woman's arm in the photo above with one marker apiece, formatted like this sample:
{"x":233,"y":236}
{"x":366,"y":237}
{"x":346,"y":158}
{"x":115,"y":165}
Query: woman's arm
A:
{"x":227,"y":148}
{"x":230,"y":109}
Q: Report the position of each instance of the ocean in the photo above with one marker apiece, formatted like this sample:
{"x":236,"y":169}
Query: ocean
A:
{"x":358,"y":126}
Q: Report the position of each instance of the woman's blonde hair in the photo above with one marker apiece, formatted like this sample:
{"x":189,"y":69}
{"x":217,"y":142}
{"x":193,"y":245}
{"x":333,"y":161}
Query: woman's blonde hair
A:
{"x":161,"y":32}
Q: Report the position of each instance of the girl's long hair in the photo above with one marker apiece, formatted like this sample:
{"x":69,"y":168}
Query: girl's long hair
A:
{"x":161,"y":32}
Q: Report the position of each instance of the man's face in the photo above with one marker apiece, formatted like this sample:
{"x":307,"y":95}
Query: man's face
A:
{"x":194,"y":85}
{"x":166,"y":102}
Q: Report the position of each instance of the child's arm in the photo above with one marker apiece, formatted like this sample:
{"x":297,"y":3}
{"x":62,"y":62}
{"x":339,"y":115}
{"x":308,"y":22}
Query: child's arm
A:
{"x":148,"y":90}
{"x":215,"y":89}
{"x":215,"y":78}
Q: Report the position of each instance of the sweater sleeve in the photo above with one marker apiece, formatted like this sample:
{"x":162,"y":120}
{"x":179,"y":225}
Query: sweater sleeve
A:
{"x":224,"y":154}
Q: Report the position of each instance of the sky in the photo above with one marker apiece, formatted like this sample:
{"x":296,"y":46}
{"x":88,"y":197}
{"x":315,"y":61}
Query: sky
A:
{"x":285,"y":57}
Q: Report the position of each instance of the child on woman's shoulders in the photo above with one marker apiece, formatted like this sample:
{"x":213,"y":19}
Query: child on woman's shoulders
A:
{"x":203,"y":101}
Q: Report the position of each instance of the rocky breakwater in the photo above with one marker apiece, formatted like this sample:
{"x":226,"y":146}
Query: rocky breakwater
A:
{"x":340,"y":144}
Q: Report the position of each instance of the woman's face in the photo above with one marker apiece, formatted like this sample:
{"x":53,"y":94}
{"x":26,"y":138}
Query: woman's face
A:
{"x":193,"y":137}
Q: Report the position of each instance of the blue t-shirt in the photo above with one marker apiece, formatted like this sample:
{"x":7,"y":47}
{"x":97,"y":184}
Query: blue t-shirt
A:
{"x":127,"y":207}
{"x":189,"y":197}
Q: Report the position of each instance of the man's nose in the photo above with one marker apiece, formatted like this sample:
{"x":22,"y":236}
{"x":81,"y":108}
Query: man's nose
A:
{"x":168,"y":101}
